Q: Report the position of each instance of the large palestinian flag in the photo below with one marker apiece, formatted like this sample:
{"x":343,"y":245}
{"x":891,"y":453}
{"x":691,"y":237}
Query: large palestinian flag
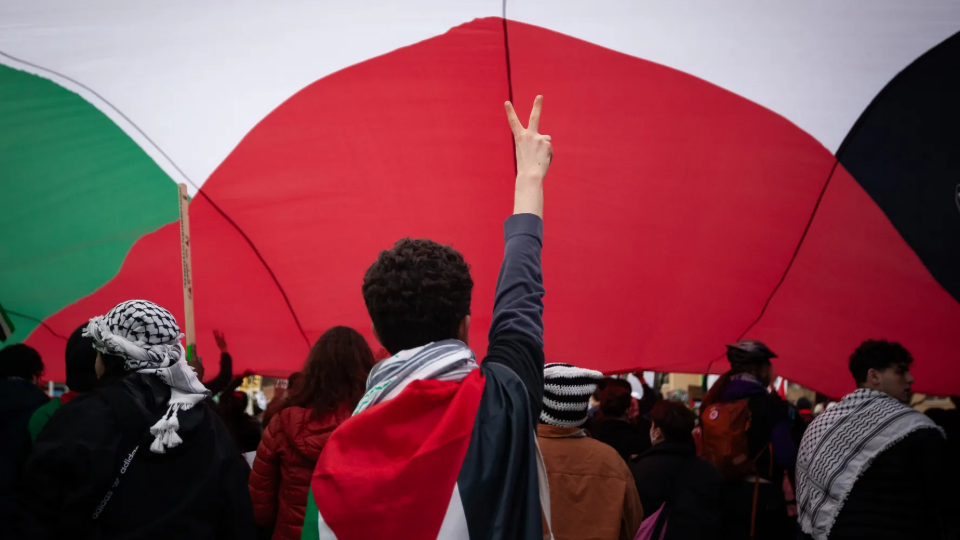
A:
{"x":784,"y":171}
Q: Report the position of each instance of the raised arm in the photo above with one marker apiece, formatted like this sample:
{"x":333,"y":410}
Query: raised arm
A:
{"x":518,"y":305}
{"x":219,"y":383}
{"x":534,"y":154}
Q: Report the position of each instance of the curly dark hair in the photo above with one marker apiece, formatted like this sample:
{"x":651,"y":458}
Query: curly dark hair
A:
{"x":878,"y":354}
{"x":417,"y":293}
{"x":20,"y":360}
{"x":334,"y":374}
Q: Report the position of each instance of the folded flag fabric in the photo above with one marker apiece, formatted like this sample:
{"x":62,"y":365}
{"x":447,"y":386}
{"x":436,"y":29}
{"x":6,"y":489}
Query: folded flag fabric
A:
{"x":402,"y":450}
{"x":394,"y":457}
{"x":6,"y":325}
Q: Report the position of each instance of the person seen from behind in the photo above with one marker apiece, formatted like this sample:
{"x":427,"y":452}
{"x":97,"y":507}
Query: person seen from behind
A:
{"x":685,"y":489}
{"x":441,"y":445}
{"x":81,"y":359}
{"x":613,"y":425}
{"x":243,"y":428}
{"x":746,"y":434}
{"x":871,"y":466}
{"x":331,"y":384}
{"x":949,"y":421}
{"x":140,"y":457}
{"x":21,"y":376}
{"x":592,"y":493}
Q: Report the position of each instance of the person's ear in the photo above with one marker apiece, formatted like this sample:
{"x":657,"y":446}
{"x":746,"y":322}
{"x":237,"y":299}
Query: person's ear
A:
{"x":98,"y":366}
{"x":463,"y":332}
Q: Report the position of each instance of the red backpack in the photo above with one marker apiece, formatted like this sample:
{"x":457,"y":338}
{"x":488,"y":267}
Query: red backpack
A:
{"x":723,"y":438}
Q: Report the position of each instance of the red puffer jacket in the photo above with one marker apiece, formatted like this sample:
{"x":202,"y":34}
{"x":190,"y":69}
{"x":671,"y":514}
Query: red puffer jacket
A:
{"x":288,"y":452}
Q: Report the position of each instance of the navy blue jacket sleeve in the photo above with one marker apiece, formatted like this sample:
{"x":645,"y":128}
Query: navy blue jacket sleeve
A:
{"x":516,"y":334}
{"x":518,"y":305}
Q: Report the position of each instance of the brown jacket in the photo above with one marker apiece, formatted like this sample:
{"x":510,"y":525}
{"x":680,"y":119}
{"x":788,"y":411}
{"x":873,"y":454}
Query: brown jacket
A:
{"x":592,"y":493}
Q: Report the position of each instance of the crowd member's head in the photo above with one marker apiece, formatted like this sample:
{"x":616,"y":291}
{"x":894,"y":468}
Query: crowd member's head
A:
{"x":417,"y":293}
{"x":671,"y":421}
{"x":144,"y":338}
{"x":615,"y":398}
{"x":233,"y":405}
{"x":749,"y":356}
{"x":21,"y":361}
{"x":566,"y":394}
{"x":81,"y":360}
{"x":335,"y":372}
{"x":884,"y":366}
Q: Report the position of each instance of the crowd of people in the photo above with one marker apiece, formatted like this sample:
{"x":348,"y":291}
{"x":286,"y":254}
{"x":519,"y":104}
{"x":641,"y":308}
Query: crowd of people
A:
{"x":432,"y":443}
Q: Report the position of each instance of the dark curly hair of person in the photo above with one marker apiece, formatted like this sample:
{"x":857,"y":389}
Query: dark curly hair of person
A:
{"x":417,"y":293}
{"x":878,"y":354}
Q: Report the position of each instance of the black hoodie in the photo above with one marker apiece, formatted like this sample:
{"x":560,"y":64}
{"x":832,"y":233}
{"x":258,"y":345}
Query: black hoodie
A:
{"x":19,"y":398}
{"x":197,"y":490}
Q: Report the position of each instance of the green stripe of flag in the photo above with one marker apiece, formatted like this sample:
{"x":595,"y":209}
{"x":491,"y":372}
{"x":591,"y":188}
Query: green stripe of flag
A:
{"x":311,"y":520}
{"x":77,"y":193}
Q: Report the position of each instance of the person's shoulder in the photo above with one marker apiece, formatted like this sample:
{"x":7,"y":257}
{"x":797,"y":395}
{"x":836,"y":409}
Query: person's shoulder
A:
{"x":498,"y":372}
{"x":87,"y":404}
{"x":18,"y":394}
{"x":85,"y":416}
{"x":924,"y":437}
{"x":769,"y":404}
{"x":41,"y":416}
{"x":511,"y":347}
{"x":706,"y":470}
{"x":607,"y":459}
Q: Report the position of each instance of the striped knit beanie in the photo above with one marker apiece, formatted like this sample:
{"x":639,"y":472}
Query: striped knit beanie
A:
{"x":566,"y":394}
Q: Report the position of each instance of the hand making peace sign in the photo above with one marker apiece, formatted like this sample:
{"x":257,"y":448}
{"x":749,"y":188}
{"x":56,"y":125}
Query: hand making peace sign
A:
{"x":534,"y":154}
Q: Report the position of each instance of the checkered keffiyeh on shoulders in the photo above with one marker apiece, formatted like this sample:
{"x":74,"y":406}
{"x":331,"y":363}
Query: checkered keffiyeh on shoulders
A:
{"x":147,"y":337}
{"x":839,"y":447}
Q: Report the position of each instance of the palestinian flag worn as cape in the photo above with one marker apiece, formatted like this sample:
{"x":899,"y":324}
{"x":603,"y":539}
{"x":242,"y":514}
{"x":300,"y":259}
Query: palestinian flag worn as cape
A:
{"x":391,"y":471}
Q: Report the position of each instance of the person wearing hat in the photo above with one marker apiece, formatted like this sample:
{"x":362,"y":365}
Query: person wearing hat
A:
{"x":592,"y":493}
{"x":141,"y":456}
{"x":770,"y":442}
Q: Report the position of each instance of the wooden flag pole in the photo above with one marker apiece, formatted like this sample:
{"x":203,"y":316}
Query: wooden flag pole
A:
{"x":188,"y":328}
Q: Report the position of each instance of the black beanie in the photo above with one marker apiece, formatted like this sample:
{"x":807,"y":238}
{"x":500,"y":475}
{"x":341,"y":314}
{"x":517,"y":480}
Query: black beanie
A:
{"x":81,"y":359}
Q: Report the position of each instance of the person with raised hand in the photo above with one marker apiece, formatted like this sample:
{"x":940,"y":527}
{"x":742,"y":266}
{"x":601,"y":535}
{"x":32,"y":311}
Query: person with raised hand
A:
{"x":439,"y":445}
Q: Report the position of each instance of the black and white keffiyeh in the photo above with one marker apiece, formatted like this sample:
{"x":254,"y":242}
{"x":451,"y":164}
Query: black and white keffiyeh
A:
{"x":566,"y":394}
{"x":839,"y":447}
{"x":147,"y":337}
{"x":447,"y":360}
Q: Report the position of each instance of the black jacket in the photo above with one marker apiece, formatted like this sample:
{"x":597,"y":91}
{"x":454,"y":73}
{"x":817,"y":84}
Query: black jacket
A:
{"x":197,"y":490}
{"x":902,"y":495}
{"x":624,"y":436}
{"x":19,"y":398}
{"x":671,"y":471}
